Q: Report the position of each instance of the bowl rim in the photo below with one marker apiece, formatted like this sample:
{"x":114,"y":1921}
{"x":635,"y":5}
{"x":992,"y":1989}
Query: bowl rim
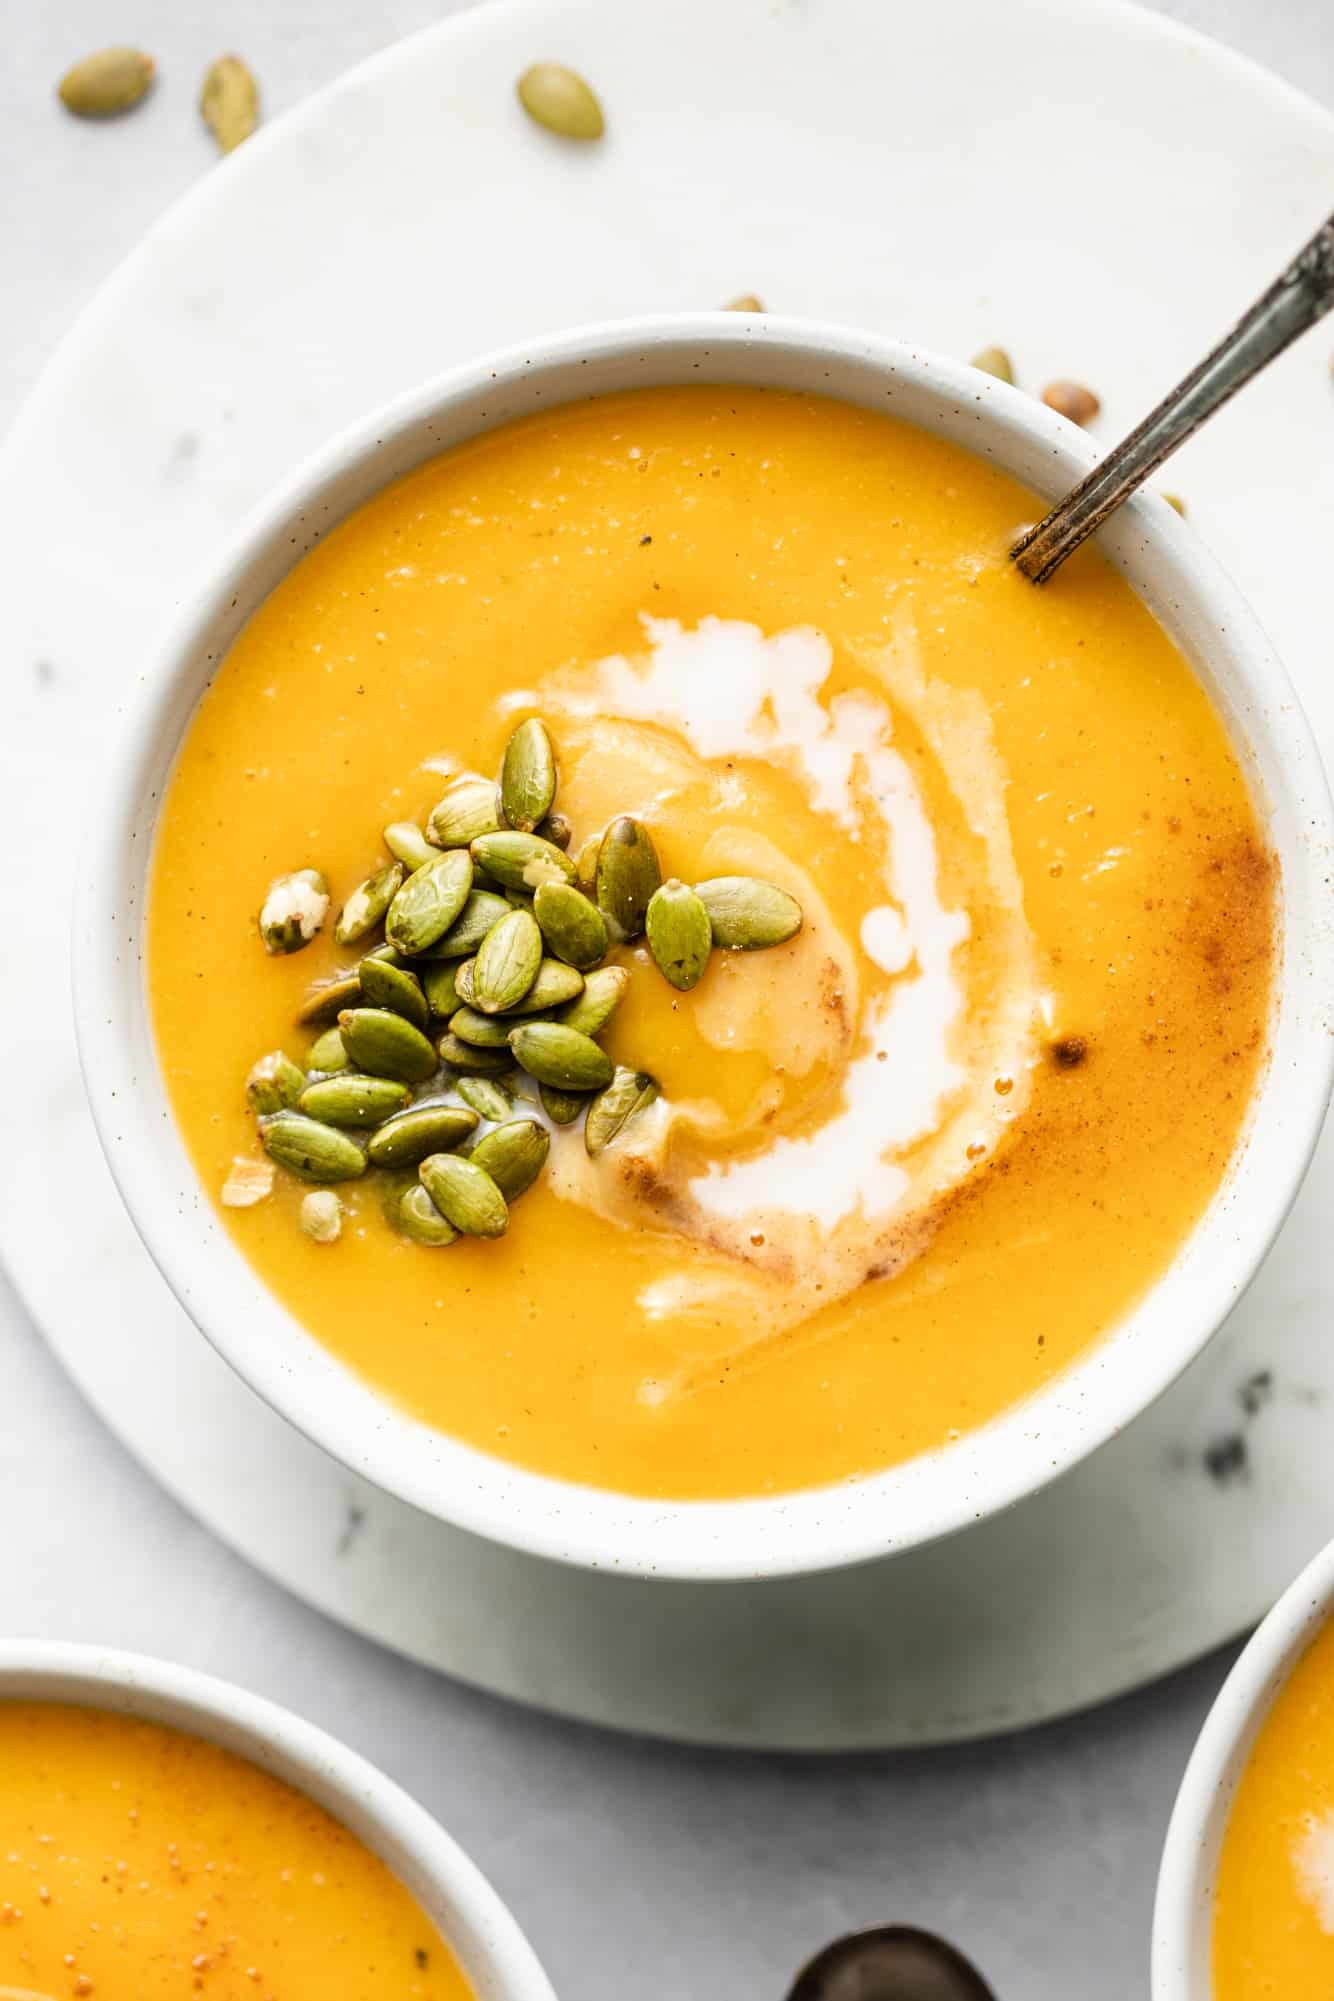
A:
{"x":1183,"y":1901}
{"x":989,"y":1468}
{"x":470,"y":1915}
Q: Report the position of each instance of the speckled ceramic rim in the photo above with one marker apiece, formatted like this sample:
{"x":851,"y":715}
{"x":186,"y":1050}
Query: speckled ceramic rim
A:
{"x":939,"y":1492}
{"x":1183,"y":1910}
{"x":464,"y":1908}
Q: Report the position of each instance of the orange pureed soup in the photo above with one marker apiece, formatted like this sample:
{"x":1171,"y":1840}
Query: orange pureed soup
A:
{"x":1274,"y":1897}
{"x":904,"y":1168}
{"x":139,"y":1862}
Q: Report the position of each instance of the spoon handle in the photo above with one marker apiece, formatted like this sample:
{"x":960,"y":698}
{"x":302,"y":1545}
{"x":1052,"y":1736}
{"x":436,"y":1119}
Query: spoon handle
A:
{"x":1295,"y":301}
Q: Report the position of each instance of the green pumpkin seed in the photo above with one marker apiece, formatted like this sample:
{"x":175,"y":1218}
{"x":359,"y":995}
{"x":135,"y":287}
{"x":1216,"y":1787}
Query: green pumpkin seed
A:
{"x":480,"y":1031}
{"x":521,"y":861}
{"x":423,"y":1128}
{"x":385,"y":1045}
{"x":465,"y":1195}
{"x":586,"y":864}
{"x":553,"y":987}
{"x":274,"y":1083}
{"x":507,"y":962}
{"x":629,"y":1093}
{"x":513,"y":1155}
{"x":746,"y":915}
{"x":389,"y":956}
{"x":310,"y":1149}
{"x":418,"y":1218}
{"x":995,"y":361}
{"x":556,"y":829}
{"x":627,"y":875}
{"x":475,"y":1062}
{"x":560,"y":1056}
{"x":368,"y":904}
{"x":385,"y":985}
{"x":327,"y":1053}
{"x":574,"y":928}
{"x":106,"y":83}
{"x":350,"y":1100}
{"x":561,"y":1107}
{"x":560,"y":101}
{"x":528,"y":776}
{"x":463,"y":981}
{"x":408,"y":844}
{"x":229,"y":101}
{"x":428,"y":902}
{"x":469,"y":806}
{"x":321,"y":1216}
{"x":293,"y":910}
{"x":325,"y":1001}
{"x":680,"y":936}
{"x":486,"y":1096}
{"x":438,"y":985}
{"x":480,"y":914}
{"x":602,"y":995}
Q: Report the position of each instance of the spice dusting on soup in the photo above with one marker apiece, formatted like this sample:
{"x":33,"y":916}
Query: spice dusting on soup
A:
{"x":787,"y":986}
{"x":139,"y":1862}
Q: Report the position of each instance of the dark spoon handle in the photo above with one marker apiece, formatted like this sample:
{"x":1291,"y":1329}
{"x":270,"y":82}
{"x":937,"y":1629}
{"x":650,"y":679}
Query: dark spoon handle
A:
{"x":1295,"y":301}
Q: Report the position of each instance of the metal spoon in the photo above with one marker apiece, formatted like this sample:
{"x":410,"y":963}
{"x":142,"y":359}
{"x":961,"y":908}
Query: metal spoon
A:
{"x":1295,"y":301}
{"x":892,"y":1963}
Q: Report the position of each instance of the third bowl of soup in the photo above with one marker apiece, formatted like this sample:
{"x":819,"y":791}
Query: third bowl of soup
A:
{"x":659,"y":1000}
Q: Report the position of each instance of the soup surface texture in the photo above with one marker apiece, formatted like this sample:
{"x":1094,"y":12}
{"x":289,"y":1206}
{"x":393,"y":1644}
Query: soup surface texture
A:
{"x":905,"y":1167}
{"x":136,"y":1861}
{"x":1274,"y":1901}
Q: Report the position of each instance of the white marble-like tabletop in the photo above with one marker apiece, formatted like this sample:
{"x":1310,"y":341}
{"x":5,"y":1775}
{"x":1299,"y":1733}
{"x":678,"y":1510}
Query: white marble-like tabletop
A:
{"x":634,"y":1867}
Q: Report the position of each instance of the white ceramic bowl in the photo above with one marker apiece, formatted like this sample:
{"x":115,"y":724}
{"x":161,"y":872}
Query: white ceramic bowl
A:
{"x":942,"y":1491}
{"x":466,"y":1911}
{"x":1184,"y":1908}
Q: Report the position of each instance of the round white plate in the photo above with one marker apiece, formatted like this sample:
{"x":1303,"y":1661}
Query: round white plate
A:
{"x":1092,"y":187}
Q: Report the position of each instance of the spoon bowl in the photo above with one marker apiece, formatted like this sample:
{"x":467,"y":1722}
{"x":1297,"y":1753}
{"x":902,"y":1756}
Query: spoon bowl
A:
{"x":890,"y":1963}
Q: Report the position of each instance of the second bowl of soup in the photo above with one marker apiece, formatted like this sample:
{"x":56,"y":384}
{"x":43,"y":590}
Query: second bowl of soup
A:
{"x":660,"y":1000}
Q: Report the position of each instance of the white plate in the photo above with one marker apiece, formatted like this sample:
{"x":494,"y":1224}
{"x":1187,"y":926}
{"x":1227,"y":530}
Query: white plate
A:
{"x":855,"y":160}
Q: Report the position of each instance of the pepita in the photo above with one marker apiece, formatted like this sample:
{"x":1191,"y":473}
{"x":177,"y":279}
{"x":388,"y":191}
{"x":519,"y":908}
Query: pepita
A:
{"x":480,"y":1031}
{"x":586,"y":864}
{"x":748,"y":302}
{"x":527,"y":776}
{"x":554,"y":986}
{"x":561,"y":1107}
{"x":438,"y":985}
{"x":558,"y":99}
{"x":465,"y":1195}
{"x":463,"y":982}
{"x":107,"y":82}
{"x":483,"y":910}
{"x":521,"y":861}
{"x":274,"y":1083}
{"x":556,"y":829}
{"x":995,"y":361}
{"x":385,"y":985}
{"x":368,"y":904}
{"x":629,"y":1093}
{"x":352,"y":1100}
{"x":428,"y":902}
{"x":513,"y":1155}
{"x":408,"y":844}
{"x":385,"y":1045}
{"x":463,"y":1056}
{"x":327,"y":1053}
{"x":321,"y":1215}
{"x":746,"y":914}
{"x":423,"y":1128}
{"x":680,"y":934}
{"x":293,"y":910}
{"x":229,"y":101}
{"x":325,"y":1001}
{"x":560,"y":1056}
{"x":418,"y":1218}
{"x":1072,"y":400}
{"x":627,"y":875}
{"x":574,"y":928}
{"x":469,"y":806}
{"x":486,"y":1096}
{"x":602,"y":995}
{"x":507,"y":962}
{"x":310,"y":1149}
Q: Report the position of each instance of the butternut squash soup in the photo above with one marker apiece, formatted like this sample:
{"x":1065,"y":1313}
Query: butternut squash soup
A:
{"x":1274,"y":1900}
{"x":824,"y":977}
{"x":139,"y":1862}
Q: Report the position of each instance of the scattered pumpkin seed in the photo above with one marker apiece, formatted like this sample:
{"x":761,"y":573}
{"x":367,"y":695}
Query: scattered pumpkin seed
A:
{"x":428,"y":902}
{"x":327,"y":1053}
{"x":440,"y":989}
{"x":507,"y":962}
{"x":556,"y":829}
{"x":629,"y":1093}
{"x":460,"y":1055}
{"x":553,"y":987}
{"x":469,"y":806}
{"x":480,"y":1031}
{"x":229,"y":101}
{"x":627,"y":875}
{"x":463,"y":982}
{"x":680,"y":935}
{"x":748,"y":302}
{"x":386,"y":985}
{"x":1072,"y":400}
{"x":325,"y":1001}
{"x":561,"y":1107}
{"x":574,"y":928}
{"x":248,"y":1182}
{"x":1175,"y":500}
{"x":408,"y":844}
{"x":586,"y":864}
{"x":465,"y":1195}
{"x":528,"y":776}
{"x":558,"y":99}
{"x":383,"y":1044}
{"x":486,"y":1096}
{"x":408,"y":1137}
{"x":321,"y":1216}
{"x":995,"y":361}
{"x":513,"y":1155}
{"x":478,"y":915}
{"x":368,"y":904}
{"x":560,"y":1056}
{"x":106,"y":83}
{"x":352,"y":1100}
{"x":310,"y":1149}
{"x":274,"y":1083}
{"x":419,"y":1219}
{"x":521,"y":861}
{"x":746,"y":915}
{"x":293,"y":910}
{"x":602,"y":995}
